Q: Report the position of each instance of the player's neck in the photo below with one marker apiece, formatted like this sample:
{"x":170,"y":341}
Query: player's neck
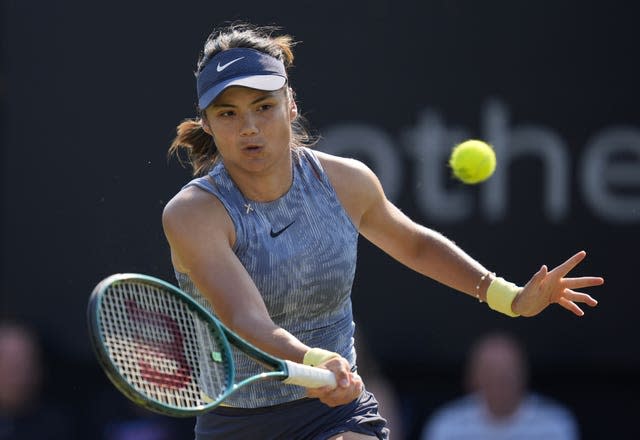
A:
{"x":267,"y":185}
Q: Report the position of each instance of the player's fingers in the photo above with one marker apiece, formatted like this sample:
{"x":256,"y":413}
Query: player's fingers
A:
{"x":325,"y":393}
{"x":542,"y":273}
{"x":571,"y":306}
{"x":341,"y":369}
{"x":342,"y":378}
{"x":338,"y":396}
{"x":566,"y":267}
{"x":580,"y":282}
{"x":318,"y":392}
{"x":538,"y":277}
{"x":354,"y":383}
{"x":580,"y":297}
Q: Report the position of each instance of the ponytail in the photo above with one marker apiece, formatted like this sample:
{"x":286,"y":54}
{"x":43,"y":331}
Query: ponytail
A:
{"x":201,"y":150}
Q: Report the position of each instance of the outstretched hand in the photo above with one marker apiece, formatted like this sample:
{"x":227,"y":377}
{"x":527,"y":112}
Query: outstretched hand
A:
{"x":547,"y":287}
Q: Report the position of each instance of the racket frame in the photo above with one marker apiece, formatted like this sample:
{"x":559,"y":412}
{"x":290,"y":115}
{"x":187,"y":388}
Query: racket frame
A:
{"x":226,"y":337}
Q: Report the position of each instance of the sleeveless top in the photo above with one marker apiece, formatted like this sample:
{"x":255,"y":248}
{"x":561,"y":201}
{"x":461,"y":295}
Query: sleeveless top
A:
{"x":300,"y":250}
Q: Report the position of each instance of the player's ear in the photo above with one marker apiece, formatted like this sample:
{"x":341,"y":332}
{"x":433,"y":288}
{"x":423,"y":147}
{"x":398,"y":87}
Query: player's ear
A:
{"x":204,"y":123}
{"x":293,"y":107}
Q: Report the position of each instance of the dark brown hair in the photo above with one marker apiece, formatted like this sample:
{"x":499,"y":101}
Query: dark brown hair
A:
{"x":200,"y":148}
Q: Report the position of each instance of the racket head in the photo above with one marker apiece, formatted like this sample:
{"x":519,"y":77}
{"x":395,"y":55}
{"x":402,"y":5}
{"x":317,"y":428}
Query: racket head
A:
{"x":149,"y":337}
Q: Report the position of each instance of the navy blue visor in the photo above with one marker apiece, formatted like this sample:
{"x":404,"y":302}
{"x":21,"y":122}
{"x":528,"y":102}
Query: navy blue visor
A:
{"x":239,"y":67}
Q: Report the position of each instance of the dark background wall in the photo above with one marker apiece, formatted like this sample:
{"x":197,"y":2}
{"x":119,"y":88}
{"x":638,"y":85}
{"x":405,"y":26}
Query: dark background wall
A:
{"x":91,"y":93}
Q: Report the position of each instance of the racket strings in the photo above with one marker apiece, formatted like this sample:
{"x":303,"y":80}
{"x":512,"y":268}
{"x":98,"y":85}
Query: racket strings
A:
{"x":161,"y":347}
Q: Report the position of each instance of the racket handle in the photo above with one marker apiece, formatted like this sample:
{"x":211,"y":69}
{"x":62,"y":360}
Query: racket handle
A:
{"x":309,"y":377}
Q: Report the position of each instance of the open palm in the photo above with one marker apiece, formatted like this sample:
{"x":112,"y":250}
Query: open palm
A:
{"x":547,"y":287}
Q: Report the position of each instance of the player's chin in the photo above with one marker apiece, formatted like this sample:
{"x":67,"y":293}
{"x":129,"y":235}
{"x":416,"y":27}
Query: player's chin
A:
{"x":257,"y":166}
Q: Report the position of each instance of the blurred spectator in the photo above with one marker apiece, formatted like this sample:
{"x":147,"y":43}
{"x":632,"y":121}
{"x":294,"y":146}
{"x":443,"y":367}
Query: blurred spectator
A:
{"x":24,"y":413}
{"x":499,"y":404}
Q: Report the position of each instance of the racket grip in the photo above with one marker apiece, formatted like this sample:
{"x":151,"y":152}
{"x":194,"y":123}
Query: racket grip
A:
{"x":309,"y":377}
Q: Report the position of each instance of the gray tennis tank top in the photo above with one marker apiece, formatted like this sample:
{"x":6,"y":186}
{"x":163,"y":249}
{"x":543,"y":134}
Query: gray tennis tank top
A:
{"x":300,"y":251}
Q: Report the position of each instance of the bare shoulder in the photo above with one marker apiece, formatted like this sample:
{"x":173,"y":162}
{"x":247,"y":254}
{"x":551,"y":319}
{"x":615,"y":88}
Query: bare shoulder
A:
{"x":189,"y":199}
{"x":193,"y":209}
{"x":348,"y":173}
{"x":356,"y":185}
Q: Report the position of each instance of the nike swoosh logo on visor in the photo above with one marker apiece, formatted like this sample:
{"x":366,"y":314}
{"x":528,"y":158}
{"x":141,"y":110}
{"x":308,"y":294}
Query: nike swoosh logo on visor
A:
{"x":224,"y":66}
{"x":274,"y":234}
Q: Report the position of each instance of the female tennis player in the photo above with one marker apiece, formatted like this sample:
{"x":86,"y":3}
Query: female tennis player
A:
{"x":265,"y":236}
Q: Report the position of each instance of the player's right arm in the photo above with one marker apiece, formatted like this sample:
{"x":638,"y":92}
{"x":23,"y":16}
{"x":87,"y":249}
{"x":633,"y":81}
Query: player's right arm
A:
{"x":201,"y":237}
{"x":434,"y":255}
{"x":387,"y":227}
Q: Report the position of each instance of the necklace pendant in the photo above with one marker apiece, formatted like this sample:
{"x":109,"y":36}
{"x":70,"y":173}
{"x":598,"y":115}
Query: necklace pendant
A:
{"x":248,"y":208}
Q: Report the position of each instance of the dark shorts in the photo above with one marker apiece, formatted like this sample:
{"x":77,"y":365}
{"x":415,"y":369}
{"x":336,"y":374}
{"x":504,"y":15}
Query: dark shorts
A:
{"x":305,"y":419}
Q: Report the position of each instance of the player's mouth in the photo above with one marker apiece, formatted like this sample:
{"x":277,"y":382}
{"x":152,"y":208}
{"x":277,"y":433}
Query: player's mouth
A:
{"x":252,"y":148}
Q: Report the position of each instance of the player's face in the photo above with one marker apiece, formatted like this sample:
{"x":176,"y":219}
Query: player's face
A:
{"x":251,"y":128}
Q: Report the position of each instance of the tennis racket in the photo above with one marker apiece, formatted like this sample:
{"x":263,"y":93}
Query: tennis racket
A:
{"x":167,"y":353}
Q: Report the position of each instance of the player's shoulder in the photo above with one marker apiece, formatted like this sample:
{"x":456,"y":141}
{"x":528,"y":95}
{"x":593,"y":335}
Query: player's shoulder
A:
{"x":340,"y":162}
{"x":345,"y":169}
{"x":188,"y":197}
{"x":191,"y":202}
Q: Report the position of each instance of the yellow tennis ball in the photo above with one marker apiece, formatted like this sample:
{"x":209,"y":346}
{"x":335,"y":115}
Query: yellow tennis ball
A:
{"x":473,"y":161}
